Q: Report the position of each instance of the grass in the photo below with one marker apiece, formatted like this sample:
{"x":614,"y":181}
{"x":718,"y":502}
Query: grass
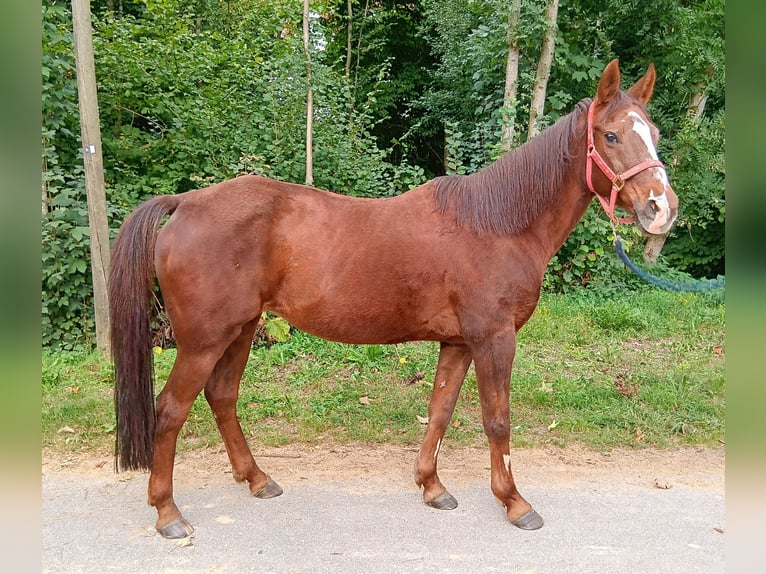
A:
{"x":644,"y":369}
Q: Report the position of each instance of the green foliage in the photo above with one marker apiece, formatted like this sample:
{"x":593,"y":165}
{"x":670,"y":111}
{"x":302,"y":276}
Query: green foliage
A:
{"x":277,"y":329}
{"x":388,"y":59}
{"x":698,"y":172}
{"x":584,"y":256}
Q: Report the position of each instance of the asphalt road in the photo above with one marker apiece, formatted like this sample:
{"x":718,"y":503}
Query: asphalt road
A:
{"x":99,"y":522}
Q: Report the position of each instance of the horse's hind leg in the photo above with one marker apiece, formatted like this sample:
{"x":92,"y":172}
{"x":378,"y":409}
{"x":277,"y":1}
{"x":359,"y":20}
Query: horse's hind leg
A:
{"x":187,"y":378}
{"x":451,"y":369}
{"x":221,"y":392}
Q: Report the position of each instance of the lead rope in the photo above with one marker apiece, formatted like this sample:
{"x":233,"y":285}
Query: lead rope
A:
{"x":696,"y":285}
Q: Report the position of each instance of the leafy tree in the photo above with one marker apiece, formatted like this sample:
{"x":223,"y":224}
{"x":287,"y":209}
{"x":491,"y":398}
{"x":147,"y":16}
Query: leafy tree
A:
{"x":388,"y":67}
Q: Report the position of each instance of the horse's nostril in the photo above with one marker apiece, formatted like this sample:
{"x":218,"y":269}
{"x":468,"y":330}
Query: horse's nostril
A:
{"x":653,"y":206}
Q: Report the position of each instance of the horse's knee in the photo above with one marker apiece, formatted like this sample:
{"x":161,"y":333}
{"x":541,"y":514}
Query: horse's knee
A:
{"x":497,"y":428}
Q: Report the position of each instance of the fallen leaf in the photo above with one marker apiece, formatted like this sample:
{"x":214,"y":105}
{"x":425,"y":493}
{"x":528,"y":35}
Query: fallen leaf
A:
{"x":456,"y":424}
{"x":639,"y":434}
{"x":718,"y":349}
{"x":69,"y":430}
{"x":626,"y":388}
{"x":419,"y":376}
{"x":553,"y":425}
{"x":661,"y":484}
{"x":364,"y":400}
{"x":422,"y":420}
{"x":183,"y":542}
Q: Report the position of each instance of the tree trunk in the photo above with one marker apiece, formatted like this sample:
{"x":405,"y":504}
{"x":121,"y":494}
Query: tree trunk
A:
{"x":543,"y":67}
{"x":511,"y":77}
{"x":349,"y":38}
{"x":309,"y":98}
{"x":653,"y":246}
{"x":359,"y":48}
{"x":45,"y":187}
{"x":94,"y":166}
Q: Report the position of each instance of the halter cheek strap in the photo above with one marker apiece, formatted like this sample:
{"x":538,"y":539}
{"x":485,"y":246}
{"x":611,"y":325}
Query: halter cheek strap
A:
{"x":618,"y":180}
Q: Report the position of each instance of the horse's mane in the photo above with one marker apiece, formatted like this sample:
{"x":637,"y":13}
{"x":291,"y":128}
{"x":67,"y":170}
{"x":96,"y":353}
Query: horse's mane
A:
{"x":506,"y":196}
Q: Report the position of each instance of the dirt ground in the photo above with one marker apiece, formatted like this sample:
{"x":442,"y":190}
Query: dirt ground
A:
{"x":458,"y":466}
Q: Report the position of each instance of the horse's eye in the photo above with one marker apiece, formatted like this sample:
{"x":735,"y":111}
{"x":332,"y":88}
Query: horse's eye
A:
{"x":611,"y":138}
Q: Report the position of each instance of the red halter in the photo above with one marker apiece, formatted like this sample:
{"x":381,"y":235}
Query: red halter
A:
{"x":618,"y":181}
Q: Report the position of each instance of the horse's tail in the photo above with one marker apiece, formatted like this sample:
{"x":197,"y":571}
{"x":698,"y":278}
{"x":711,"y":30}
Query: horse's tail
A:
{"x":131,"y":308}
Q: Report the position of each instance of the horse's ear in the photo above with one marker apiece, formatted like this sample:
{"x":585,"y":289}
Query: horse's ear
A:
{"x":643,"y":88}
{"x":609,"y":83}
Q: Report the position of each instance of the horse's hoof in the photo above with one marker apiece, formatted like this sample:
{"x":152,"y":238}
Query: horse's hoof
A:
{"x":529,"y":521}
{"x":271,"y":490}
{"x":179,"y":528}
{"x":445,"y":501}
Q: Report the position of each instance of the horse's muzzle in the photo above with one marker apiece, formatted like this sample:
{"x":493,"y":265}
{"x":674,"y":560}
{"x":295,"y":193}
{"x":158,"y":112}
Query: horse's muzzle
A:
{"x":658,"y":213}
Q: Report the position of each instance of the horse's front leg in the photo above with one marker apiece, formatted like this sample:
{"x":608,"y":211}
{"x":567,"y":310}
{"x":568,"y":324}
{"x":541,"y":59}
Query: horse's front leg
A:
{"x":493,"y":361}
{"x":453,"y":364}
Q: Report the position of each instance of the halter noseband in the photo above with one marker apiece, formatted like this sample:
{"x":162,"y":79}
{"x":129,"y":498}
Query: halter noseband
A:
{"x":618,"y":181}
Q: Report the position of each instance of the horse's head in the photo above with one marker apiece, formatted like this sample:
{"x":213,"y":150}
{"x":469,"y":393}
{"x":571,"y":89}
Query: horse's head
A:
{"x":622,"y":167}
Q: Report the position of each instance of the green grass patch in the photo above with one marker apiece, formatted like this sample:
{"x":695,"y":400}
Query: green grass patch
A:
{"x":644,"y":369}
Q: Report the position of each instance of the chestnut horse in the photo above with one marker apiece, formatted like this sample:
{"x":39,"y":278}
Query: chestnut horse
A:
{"x":459,"y":260}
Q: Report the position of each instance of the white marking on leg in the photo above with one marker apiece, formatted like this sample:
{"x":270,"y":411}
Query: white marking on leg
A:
{"x":507,"y":461}
{"x":436,"y":450}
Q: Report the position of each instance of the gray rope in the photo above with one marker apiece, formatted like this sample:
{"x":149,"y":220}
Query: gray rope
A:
{"x":667,"y":284}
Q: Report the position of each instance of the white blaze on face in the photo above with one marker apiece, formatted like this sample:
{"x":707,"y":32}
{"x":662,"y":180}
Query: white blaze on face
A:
{"x":661,"y":200}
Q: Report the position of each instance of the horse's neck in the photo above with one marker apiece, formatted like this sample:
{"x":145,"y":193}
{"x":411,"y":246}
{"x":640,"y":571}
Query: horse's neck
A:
{"x":555,"y":225}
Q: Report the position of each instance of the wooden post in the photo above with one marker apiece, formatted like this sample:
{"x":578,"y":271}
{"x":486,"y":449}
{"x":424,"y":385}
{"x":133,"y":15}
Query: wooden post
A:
{"x":94,"y":166}
{"x":309,"y":97}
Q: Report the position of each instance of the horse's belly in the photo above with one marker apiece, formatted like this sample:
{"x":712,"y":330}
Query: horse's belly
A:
{"x":368,"y":322}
